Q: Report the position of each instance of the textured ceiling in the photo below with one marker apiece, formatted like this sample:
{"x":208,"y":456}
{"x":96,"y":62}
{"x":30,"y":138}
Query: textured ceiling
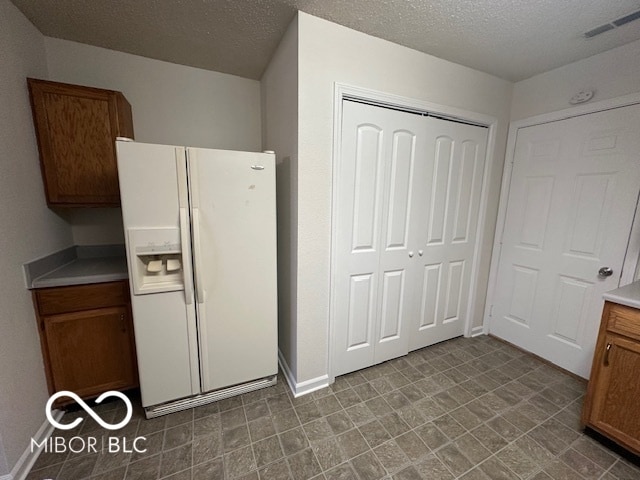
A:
{"x":512,"y":39}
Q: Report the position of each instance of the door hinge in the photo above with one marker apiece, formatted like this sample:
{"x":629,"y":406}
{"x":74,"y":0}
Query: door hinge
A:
{"x":491,"y":311}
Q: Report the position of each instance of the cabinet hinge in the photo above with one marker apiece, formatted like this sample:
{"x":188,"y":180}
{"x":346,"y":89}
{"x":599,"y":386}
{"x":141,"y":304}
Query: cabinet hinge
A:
{"x":491,"y":311}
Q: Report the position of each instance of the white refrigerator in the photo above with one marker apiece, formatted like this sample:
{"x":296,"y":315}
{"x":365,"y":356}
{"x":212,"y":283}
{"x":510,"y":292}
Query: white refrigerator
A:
{"x":200,"y":232}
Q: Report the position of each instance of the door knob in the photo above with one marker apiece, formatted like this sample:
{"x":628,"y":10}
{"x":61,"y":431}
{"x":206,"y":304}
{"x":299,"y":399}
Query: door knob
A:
{"x":605,"y":272}
{"x":410,"y":254}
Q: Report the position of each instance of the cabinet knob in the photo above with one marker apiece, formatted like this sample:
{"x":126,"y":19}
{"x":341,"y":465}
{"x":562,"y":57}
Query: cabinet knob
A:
{"x":411,"y":254}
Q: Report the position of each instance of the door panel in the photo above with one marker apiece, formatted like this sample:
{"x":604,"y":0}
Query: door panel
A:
{"x":572,"y":199}
{"x":234,"y":231}
{"x":361,"y":310}
{"x":593,"y":196}
{"x":375,"y":206}
{"x":537,"y":201}
{"x":430,"y":294}
{"x":440,"y":183}
{"x":524,"y":285}
{"x":465,"y":194}
{"x":358,"y":240}
{"x":402,"y":161}
{"x":366,"y":188}
{"x":392,"y":303}
{"x":454,"y":291}
{"x":570,"y":310}
{"x":452,"y":170}
{"x":396,"y":305}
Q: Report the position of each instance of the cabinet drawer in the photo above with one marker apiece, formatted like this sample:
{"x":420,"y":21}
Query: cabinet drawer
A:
{"x":624,"y":320}
{"x":75,"y":298}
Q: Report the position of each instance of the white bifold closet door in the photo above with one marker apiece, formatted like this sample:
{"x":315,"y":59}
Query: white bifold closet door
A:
{"x":408,"y":189}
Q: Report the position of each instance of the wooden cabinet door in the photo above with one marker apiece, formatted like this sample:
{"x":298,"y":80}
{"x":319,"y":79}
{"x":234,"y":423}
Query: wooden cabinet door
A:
{"x":91,"y":351}
{"x":616,"y":394}
{"x":76,"y":129}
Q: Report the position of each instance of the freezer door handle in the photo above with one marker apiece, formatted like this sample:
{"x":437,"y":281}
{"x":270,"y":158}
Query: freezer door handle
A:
{"x":197,"y":267}
{"x":186,"y":271}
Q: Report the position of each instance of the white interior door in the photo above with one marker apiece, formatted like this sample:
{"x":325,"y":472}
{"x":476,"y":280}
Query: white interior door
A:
{"x":234,"y":249}
{"x":450,"y":179}
{"x":572,"y":199}
{"x":375,"y":232}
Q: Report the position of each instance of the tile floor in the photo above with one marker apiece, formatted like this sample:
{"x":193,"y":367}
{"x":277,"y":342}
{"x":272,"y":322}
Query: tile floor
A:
{"x":466,"y":408}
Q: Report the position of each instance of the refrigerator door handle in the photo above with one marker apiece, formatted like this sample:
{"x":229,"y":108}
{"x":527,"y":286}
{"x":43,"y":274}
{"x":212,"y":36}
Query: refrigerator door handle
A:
{"x":197,"y":267}
{"x":186,"y":261}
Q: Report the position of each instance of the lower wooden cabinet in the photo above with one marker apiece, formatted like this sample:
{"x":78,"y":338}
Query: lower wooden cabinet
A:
{"x":86,"y":335}
{"x":613,"y":395}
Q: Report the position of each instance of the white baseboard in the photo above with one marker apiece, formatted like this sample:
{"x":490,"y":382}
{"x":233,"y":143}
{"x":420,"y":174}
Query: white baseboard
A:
{"x":301,"y":388}
{"x":477,"y":331}
{"x":28,"y":458}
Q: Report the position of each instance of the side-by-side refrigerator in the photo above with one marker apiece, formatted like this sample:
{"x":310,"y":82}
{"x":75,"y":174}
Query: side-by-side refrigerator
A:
{"x":200,"y":228}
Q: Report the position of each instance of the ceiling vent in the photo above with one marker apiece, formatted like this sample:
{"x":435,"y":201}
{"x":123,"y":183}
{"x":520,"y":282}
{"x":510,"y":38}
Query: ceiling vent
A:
{"x":615,"y":23}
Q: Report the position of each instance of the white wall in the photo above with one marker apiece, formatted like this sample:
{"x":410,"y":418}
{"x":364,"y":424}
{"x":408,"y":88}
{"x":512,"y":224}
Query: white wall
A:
{"x":330,"y":53}
{"x":29,"y":230}
{"x":279,"y":86}
{"x":612,"y":74}
{"x":171,"y":104}
{"x":94,"y":226}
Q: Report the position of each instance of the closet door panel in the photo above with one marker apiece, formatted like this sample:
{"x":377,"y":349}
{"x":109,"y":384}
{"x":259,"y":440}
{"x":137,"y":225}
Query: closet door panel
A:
{"x":361,"y":309}
{"x":360,"y":201}
{"x":375,"y":231}
{"x":396,"y":284}
{"x":452,"y":171}
{"x":400,"y":186}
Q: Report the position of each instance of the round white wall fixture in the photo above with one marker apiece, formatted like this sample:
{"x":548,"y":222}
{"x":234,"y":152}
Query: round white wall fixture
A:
{"x":581,"y":97}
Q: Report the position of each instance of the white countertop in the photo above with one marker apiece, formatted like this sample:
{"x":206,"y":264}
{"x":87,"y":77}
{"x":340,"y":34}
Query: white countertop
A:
{"x":628,"y":295}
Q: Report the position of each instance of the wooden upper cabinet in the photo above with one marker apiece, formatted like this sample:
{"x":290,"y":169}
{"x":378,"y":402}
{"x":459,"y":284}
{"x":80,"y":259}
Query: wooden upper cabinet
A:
{"x":76,"y":128}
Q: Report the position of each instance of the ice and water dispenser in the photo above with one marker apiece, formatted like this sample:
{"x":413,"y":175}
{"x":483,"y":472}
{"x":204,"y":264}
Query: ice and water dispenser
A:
{"x":157,"y":260}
